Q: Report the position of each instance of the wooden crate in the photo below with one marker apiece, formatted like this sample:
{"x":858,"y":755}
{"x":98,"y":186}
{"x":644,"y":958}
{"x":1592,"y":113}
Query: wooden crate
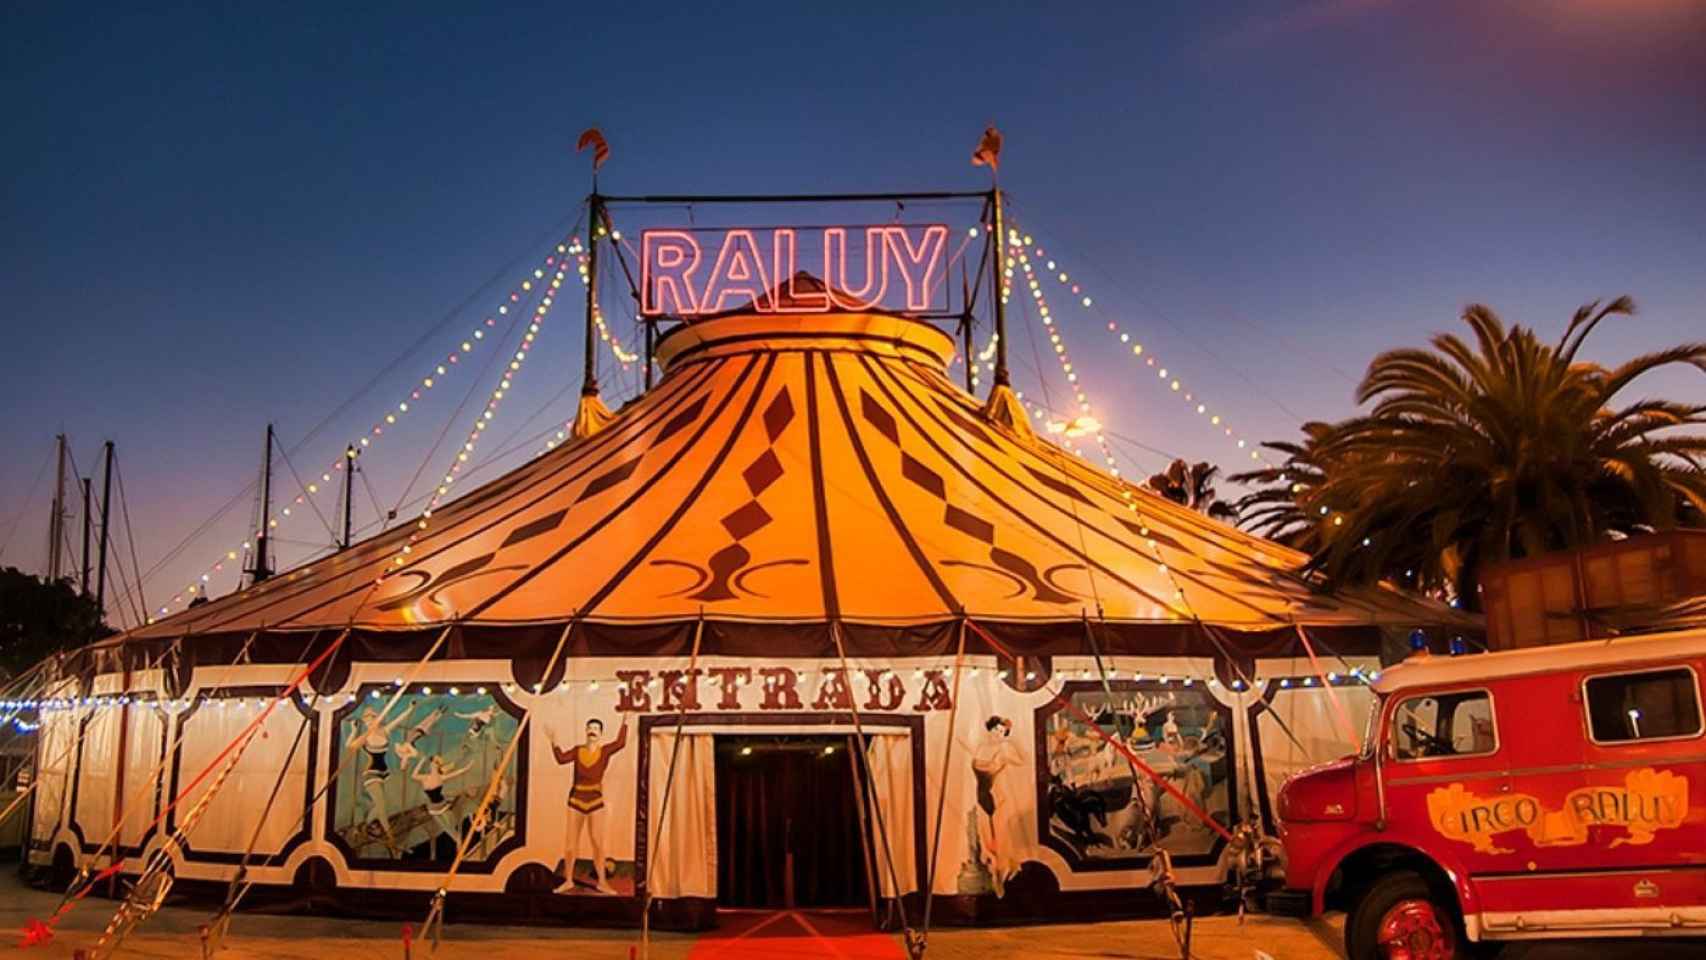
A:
{"x":1569,"y":595}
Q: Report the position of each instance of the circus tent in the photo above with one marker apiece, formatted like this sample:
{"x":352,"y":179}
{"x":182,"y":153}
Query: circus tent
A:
{"x":804,"y":526}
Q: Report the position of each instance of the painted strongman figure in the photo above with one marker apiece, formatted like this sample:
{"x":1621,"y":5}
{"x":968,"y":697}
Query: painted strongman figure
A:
{"x":586,"y":800}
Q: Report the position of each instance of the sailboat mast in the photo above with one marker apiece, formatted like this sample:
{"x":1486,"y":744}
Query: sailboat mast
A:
{"x":106,"y":508}
{"x":56,"y":522}
{"x":262,"y":569}
{"x":83,"y":583}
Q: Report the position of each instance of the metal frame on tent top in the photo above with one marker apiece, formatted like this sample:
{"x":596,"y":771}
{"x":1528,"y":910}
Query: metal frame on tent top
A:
{"x":992,"y":219}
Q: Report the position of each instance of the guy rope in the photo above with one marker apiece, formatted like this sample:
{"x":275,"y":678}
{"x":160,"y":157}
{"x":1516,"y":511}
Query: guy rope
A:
{"x":432,"y":927}
{"x":213,"y":932}
{"x":669,"y":782}
{"x":913,"y":940}
{"x":152,"y":884}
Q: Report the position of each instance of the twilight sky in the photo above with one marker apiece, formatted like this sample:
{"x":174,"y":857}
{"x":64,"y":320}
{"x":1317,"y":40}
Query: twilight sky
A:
{"x":215,"y":217}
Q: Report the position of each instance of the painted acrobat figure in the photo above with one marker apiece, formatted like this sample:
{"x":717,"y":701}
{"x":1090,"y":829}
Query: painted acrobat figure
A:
{"x":479,"y":720}
{"x":432,"y":773}
{"x":586,"y":800}
{"x":374,"y":738}
{"x":407,"y":750}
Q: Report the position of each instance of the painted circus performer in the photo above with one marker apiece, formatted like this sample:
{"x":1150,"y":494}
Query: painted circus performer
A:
{"x":432,"y":773}
{"x":407,"y":750}
{"x":586,"y":800}
{"x":995,"y":808}
{"x":479,"y":720}
{"x":374,"y":739}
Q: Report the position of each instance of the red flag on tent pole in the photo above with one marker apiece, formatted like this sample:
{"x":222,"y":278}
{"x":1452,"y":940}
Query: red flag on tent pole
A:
{"x":594,"y":139}
{"x":988,"y":152}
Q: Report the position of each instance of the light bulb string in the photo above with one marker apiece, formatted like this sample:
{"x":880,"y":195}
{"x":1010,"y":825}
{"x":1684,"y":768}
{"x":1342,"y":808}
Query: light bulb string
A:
{"x":425,"y":382}
{"x":1167,"y":377}
{"x":547,"y":300}
{"x":1083,"y":421}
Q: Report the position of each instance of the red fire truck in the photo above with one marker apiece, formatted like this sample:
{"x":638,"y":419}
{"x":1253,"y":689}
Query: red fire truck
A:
{"x":1554,"y":792}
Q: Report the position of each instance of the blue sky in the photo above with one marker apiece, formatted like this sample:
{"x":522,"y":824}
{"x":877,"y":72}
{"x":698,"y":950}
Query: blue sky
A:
{"x":212,"y":217}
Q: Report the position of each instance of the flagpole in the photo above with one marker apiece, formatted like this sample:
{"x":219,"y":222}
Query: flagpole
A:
{"x":595,"y":226}
{"x":999,"y":239}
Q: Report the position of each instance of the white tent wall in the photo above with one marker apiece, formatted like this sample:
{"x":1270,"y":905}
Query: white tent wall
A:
{"x":228,"y":823}
{"x":1314,"y":729}
{"x":1025,"y":777}
{"x":146,"y":774}
{"x":92,"y":804}
{"x":56,"y":758}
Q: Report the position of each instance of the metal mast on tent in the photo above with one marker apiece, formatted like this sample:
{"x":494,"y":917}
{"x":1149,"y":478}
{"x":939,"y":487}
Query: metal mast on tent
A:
{"x":262,"y":568}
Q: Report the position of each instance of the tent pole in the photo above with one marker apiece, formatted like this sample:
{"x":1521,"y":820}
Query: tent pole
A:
{"x":998,"y":237}
{"x":965,"y":325}
{"x":594,"y":230}
{"x":349,"y":493}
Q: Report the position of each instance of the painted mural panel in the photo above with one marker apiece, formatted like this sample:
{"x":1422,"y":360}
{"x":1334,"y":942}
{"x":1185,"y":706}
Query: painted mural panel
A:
{"x":414,"y":774}
{"x":1097,"y":810}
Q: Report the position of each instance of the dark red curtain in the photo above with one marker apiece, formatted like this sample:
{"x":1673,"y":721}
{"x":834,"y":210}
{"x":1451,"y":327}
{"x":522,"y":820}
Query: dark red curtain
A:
{"x":787,"y":796}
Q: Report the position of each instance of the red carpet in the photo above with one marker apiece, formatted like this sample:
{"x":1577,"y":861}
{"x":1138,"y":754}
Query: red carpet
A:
{"x":785,"y":935}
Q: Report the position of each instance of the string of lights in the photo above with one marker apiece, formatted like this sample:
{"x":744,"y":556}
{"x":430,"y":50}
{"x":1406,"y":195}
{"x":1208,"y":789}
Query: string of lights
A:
{"x":484,"y":418}
{"x":1169,"y":378}
{"x":426,"y":382}
{"x":1083,"y":422}
{"x":217,"y":698}
{"x":624,"y":357}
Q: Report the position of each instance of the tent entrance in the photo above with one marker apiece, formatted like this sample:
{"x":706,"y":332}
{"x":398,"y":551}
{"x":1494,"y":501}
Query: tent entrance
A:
{"x":788,"y":823}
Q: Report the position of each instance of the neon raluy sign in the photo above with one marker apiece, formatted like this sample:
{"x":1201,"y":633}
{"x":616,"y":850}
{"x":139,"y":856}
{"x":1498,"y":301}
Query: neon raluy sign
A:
{"x":683,"y":276}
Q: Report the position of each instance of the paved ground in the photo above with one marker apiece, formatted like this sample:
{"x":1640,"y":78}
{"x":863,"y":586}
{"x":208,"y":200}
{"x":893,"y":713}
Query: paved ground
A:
{"x":172,"y":935}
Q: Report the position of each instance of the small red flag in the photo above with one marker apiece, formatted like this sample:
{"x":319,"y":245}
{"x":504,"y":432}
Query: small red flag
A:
{"x":594,"y":139}
{"x":988,"y":152}
{"x":35,"y":933}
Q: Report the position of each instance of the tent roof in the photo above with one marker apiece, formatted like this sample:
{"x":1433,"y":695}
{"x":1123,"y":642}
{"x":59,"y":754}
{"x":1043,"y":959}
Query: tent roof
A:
{"x":802,"y":468}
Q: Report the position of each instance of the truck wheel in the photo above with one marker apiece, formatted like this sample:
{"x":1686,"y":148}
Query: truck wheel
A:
{"x":1401,"y":917}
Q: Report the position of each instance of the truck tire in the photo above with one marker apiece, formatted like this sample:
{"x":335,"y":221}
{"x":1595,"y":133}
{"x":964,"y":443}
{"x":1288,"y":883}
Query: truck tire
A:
{"x":1402,"y":917}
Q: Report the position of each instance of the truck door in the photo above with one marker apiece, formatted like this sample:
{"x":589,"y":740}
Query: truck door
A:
{"x":1447,"y":778}
{"x":1639,"y":815}
{"x":1543,"y":738}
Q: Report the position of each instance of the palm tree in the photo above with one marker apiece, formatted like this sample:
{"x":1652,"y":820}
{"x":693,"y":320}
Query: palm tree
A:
{"x":1472,"y":455}
{"x":1192,"y":485}
{"x":1275,"y":509}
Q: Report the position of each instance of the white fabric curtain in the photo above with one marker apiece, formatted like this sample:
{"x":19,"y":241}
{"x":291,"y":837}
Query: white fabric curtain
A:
{"x":683,"y":851}
{"x":891,"y":782}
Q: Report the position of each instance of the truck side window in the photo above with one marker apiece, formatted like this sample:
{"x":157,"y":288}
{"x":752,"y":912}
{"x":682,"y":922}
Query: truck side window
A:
{"x":1457,"y":724}
{"x":1651,"y":705}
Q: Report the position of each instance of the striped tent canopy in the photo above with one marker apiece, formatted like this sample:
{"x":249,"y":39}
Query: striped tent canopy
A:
{"x":792,"y":471}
